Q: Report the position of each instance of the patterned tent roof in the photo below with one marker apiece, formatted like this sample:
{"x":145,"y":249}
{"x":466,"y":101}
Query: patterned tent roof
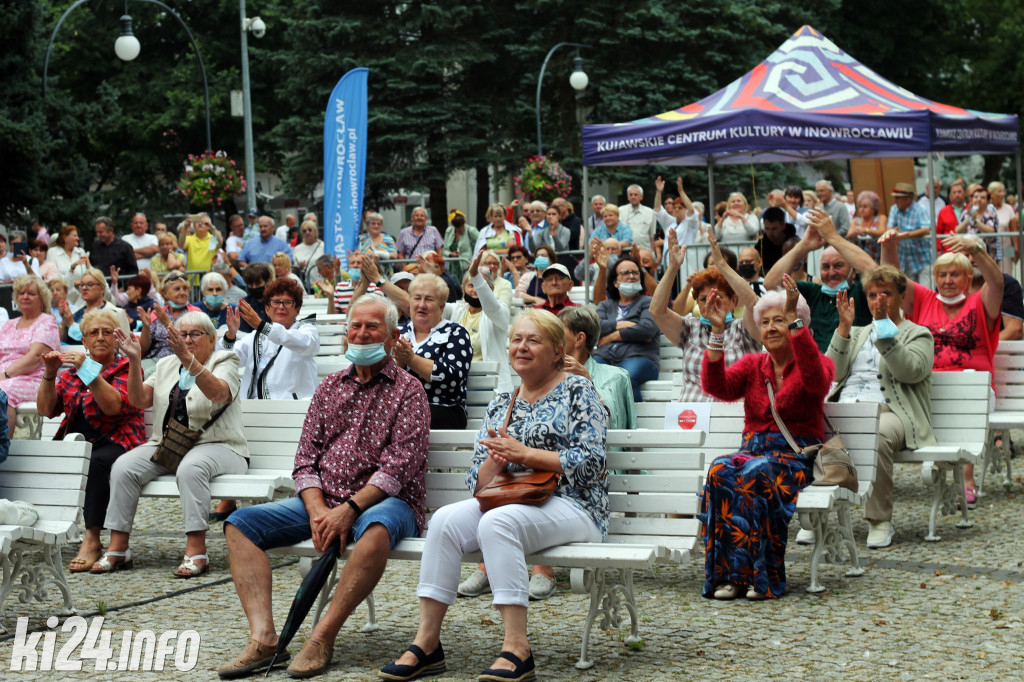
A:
{"x":808,"y":100}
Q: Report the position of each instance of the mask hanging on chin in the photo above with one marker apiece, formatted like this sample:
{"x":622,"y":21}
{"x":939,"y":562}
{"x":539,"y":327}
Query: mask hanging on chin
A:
{"x":952,"y":300}
{"x":832,"y":291}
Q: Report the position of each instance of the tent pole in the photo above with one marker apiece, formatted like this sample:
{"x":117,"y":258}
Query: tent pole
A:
{"x":586,"y":240}
{"x":931,"y":206}
{"x":1020,"y":224}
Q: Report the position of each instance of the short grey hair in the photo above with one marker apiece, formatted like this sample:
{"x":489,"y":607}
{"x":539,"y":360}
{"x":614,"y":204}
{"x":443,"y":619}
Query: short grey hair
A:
{"x":539,"y":204}
{"x":17,"y":234}
{"x":598,"y":197}
{"x":582,"y":318}
{"x":826,"y":183}
{"x":212,"y":277}
{"x":374,"y":216}
{"x":199,"y":319}
{"x":777,"y":299}
{"x":325,"y":259}
{"x":390,"y":311}
{"x":636,"y":187}
{"x":106,"y":220}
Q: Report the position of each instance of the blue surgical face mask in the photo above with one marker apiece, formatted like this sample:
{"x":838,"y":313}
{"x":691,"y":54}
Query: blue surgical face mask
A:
{"x":177,"y":306}
{"x":707,"y":323}
{"x":185,"y":380}
{"x":630,"y":289}
{"x":365,"y":354}
{"x":214,"y":300}
{"x":885,"y":328}
{"x":75,"y":332}
{"x":541,"y":262}
{"x":612,"y":260}
{"x":832,"y":291}
{"x":355,"y":274}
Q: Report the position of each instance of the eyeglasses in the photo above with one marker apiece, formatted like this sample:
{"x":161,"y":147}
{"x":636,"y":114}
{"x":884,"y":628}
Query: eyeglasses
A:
{"x":95,"y":333}
{"x":629,"y":274}
{"x":195,"y":334}
{"x":281,"y":303}
{"x":88,"y":285}
{"x":173,"y":277}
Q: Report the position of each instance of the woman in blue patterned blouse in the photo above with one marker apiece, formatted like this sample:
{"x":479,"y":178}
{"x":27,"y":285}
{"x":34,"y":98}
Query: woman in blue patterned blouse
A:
{"x":556,"y":422}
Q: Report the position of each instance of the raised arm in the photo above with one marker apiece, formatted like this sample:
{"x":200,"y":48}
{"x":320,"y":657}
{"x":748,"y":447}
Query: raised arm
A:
{"x":854,"y":255}
{"x":744,"y":294}
{"x":992,"y":290}
{"x":811,"y":241}
{"x":669,"y":321}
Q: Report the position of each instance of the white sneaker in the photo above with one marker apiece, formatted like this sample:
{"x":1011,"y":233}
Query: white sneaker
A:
{"x":805,"y":537}
{"x":474,"y":585}
{"x":541,"y":587}
{"x":880,"y":534}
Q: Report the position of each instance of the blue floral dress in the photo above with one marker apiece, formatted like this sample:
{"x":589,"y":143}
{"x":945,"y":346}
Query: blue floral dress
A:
{"x":750,"y":495}
{"x":569,"y":420}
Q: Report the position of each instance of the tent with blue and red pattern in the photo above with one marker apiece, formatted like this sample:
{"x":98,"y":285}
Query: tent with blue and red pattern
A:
{"x":807,"y":101}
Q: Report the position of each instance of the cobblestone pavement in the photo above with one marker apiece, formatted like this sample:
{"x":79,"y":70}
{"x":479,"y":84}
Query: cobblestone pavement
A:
{"x":947,"y":610}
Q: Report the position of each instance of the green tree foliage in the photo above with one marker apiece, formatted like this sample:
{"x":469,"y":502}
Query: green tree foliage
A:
{"x":452,"y":86}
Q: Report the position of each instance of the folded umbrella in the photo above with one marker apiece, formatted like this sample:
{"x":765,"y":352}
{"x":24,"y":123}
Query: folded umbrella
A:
{"x":307,"y":593}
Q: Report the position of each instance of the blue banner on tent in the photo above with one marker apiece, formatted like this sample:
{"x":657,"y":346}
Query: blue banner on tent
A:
{"x":345,"y":164}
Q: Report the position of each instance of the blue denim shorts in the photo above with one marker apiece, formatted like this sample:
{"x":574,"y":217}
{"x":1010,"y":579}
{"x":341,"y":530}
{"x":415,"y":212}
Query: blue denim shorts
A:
{"x":285,"y":522}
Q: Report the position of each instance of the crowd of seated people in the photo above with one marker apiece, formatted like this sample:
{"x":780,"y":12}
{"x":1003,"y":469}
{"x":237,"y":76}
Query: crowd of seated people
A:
{"x":423,"y":308}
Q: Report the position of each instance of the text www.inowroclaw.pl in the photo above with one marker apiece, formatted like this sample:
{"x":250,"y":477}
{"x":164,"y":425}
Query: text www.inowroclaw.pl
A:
{"x":91,"y":643}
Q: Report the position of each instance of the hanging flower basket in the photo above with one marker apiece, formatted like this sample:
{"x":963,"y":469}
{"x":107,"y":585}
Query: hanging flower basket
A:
{"x":542,"y":179}
{"x":210,"y":178}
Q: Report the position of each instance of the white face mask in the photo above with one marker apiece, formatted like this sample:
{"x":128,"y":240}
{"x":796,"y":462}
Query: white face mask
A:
{"x":952,"y":300}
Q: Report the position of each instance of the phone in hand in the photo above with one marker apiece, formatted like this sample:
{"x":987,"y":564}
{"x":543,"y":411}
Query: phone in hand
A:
{"x":19,"y":248}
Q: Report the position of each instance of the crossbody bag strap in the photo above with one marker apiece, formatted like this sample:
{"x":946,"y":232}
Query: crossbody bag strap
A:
{"x":778,"y":420}
{"x":511,"y":405}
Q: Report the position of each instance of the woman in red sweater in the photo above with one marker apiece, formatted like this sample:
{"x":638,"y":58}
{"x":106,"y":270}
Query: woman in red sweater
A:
{"x":750,"y":495}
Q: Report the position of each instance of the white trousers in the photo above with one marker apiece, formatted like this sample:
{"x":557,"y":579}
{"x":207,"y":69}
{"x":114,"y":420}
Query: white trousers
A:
{"x":505,"y":536}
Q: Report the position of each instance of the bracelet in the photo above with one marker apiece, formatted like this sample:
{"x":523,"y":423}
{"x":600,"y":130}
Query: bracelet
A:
{"x":46,"y":378}
{"x":717,"y":338}
{"x":352,"y":503}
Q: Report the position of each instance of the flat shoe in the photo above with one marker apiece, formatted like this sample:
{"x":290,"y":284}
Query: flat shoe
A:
{"x":189,"y":564}
{"x":541,"y":587}
{"x":727,"y":591}
{"x":107,"y":566}
{"x":312,"y":660}
{"x":754,"y":595}
{"x":475,"y":585}
{"x":431,"y":665}
{"x":525,"y":671}
{"x":255,"y":656}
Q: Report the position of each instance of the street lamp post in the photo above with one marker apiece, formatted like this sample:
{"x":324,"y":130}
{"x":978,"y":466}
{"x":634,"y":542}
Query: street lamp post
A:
{"x":127,"y":48}
{"x":258,"y":29}
{"x":578,"y":80}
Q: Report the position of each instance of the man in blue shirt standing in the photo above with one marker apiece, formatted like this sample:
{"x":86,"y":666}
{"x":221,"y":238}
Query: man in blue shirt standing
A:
{"x":912,"y":224}
{"x":263,"y":249}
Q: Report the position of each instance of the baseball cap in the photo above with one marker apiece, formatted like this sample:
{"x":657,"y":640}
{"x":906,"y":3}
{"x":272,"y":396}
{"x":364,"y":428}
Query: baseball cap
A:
{"x":402,"y":277}
{"x":557,"y":267}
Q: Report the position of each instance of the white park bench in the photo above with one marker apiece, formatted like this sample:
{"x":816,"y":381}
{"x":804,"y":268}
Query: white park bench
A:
{"x":653,"y":498}
{"x":960,"y":421}
{"x":858,"y":424}
{"x":51,"y":477}
{"x":1009,"y":412}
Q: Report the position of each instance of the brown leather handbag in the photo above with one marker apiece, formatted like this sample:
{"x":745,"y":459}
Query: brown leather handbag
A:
{"x":178,"y":439}
{"x":517,"y":487}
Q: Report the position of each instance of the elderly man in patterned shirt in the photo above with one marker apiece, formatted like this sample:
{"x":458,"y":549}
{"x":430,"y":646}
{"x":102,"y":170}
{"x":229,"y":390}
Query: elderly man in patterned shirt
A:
{"x":359,"y":475}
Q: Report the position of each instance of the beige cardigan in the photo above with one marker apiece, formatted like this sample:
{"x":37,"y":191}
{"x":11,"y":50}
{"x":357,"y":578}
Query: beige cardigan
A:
{"x":905,"y":374}
{"x":227,"y":430}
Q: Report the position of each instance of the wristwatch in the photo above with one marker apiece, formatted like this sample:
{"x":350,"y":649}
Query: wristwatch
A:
{"x":380,"y":282}
{"x":798,"y":324}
